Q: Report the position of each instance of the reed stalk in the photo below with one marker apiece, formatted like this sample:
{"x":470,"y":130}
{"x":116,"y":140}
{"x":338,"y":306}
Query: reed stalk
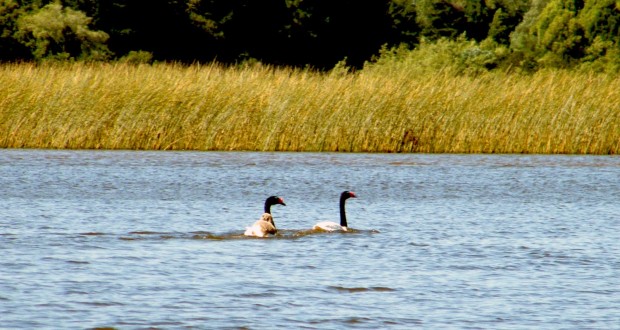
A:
{"x":262,"y":108}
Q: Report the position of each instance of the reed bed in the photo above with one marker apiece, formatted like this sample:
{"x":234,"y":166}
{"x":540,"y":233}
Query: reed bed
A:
{"x":262,"y":108}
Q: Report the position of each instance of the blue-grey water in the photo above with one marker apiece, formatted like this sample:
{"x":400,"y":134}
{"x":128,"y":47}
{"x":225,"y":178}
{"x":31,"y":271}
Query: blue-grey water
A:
{"x":135,"y":240}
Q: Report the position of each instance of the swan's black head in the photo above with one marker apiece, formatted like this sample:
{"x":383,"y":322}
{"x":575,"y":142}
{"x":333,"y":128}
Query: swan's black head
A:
{"x":347,"y":194}
{"x":273,"y":200}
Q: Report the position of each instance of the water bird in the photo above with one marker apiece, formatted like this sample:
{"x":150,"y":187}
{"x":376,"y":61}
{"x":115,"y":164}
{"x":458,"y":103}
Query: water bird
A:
{"x":265,"y":225}
{"x":332,"y":226}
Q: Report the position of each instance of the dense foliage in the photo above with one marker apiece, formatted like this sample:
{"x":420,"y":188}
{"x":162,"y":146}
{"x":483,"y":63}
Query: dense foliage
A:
{"x":488,"y":34}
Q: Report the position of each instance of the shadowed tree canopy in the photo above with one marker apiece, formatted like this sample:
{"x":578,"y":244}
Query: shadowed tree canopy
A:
{"x":296,"y":32}
{"x":315,"y":33}
{"x":329,"y":31}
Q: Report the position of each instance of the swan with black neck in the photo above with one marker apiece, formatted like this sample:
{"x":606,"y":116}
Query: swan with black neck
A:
{"x":332,"y":226}
{"x":265,"y":225}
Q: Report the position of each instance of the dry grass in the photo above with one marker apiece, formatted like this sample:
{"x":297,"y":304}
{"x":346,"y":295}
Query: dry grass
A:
{"x":209,"y":107}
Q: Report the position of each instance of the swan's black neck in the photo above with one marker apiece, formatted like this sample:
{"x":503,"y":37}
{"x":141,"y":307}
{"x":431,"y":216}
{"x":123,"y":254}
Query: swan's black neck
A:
{"x":343,"y":215}
{"x":268,"y":206}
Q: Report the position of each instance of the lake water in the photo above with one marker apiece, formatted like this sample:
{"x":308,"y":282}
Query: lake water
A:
{"x":136,"y":240}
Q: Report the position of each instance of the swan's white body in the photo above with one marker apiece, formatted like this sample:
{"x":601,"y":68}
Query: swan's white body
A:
{"x":329,"y":226}
{"x":262,"y":228}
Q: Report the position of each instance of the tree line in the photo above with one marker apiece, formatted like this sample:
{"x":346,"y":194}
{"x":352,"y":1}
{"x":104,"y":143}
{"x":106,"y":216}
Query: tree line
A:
{"x":529,"y":34}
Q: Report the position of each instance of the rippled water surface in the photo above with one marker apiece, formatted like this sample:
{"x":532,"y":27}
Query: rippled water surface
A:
{"x":154,"y":240}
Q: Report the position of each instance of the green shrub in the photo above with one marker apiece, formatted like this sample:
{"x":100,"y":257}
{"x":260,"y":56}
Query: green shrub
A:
{"x":460,"y":56}
{"x":137,"y":57}
{"x":54,"y":32}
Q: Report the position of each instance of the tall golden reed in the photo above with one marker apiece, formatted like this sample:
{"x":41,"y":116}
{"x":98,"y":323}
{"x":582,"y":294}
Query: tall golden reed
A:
{"x":211,"y":107}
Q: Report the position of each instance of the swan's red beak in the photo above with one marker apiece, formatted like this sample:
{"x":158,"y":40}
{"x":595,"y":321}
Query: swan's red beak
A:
{"x":281,"y":201}
{"x":352,"y":194}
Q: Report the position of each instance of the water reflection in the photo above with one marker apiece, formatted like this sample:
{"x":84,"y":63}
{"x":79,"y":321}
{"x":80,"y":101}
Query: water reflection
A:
{"x":286,"y":234}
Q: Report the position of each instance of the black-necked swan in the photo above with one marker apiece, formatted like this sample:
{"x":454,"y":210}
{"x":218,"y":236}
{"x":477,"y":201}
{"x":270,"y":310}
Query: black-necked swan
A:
{"x":332,"y":226}
{"x":265,"y":225}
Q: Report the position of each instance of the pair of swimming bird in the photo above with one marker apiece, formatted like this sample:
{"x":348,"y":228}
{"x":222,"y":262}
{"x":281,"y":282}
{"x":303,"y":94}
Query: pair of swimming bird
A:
{"x":265,"y":225}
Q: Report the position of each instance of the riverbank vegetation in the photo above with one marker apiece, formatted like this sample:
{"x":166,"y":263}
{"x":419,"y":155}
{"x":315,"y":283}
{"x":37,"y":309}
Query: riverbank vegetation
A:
{"x":389,"y":106}
{"x":526,"y":76}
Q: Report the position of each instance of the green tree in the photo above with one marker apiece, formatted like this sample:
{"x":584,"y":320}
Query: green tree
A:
{"x":62,"y":33}
{"x":560,"y":36}
{"x":506,"y":16}
{"x":479,"y":20}
{"x":440,"y":18}
{"x":10,"y":48}
{"x":404,"y":29}
{"x":523,"y":40}
{"x":566,"y":33}
{"x":601,"y":18}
